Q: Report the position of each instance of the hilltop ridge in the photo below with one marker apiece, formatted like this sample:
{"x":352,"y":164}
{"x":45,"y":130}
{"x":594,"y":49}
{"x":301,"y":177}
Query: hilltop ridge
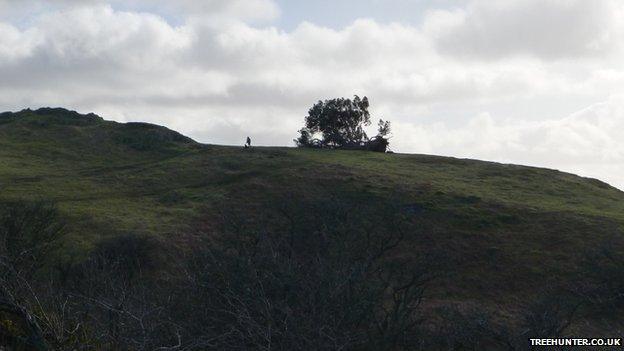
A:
{"x":505,"y":229}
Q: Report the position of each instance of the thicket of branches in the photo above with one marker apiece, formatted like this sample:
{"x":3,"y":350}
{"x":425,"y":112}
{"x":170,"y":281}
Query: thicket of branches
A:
{"x":324,"y":284}
{"x":323,"y":276}
{"x":283,"y":286}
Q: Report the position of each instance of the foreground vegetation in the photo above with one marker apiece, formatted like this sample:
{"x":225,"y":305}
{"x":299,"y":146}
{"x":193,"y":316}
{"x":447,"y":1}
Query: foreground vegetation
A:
{"x":131,"y":236}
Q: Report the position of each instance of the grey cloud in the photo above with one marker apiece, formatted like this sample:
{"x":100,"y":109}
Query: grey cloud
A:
{"x":548,"y":29}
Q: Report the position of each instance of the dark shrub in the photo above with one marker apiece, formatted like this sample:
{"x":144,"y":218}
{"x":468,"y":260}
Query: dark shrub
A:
{"x":340,"y":124}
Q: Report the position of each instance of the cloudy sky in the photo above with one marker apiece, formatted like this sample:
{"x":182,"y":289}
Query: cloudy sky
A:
{"x":537,"y":82}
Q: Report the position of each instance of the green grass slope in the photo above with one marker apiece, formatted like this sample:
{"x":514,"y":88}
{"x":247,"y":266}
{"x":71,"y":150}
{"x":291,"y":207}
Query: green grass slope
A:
{"x":508,"y":230}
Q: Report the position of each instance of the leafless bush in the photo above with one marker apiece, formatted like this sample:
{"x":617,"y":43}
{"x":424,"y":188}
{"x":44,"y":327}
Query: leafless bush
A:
{"x":27,"y":230}
{"x":323,"y":276}
{"x":121,"y":302}
{"x":604,"y":277}
{"x":326,"y":284}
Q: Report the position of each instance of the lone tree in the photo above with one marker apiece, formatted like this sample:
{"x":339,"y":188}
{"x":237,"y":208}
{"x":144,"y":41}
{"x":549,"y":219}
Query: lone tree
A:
{"x":340,"y":124}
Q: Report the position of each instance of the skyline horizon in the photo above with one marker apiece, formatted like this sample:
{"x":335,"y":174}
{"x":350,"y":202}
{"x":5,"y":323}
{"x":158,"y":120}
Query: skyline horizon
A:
{"x":293,"y":145}
{"x":529,"y":82}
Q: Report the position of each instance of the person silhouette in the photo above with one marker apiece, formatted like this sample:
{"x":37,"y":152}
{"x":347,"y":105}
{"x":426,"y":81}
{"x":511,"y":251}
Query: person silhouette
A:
{"x":248,"y":143}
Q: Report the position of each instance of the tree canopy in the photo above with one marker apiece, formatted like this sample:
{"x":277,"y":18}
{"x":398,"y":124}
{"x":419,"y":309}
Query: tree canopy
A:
{"x":339,"y":123}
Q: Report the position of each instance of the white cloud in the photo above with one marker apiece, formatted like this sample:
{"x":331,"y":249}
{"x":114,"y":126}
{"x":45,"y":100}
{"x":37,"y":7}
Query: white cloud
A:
{"x":549,"y":29}
{"x":14,"y":44}
{"x":220,"y":79}
{"x":587,"y":142}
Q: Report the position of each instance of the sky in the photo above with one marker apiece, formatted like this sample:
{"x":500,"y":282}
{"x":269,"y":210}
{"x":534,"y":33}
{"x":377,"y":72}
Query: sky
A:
{"x":534,"y":82}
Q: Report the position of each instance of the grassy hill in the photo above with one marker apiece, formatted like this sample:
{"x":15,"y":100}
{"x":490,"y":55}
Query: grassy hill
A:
{"x":505,"y":232}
